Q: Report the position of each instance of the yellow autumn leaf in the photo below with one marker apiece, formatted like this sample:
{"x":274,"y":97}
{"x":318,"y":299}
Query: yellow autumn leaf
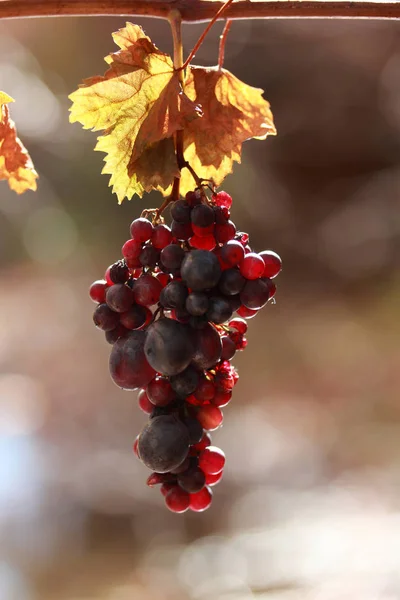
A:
{"x":139,"y":104}
{"x":15,"y":163}
{"x":233,"y":112}
{"x":4,"y":99}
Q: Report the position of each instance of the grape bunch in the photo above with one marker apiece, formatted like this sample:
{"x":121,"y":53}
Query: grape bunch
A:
{"x":167,"y":307}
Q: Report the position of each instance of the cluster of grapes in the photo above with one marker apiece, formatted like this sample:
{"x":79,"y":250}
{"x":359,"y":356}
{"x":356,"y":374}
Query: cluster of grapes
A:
{"x":167,"y":307}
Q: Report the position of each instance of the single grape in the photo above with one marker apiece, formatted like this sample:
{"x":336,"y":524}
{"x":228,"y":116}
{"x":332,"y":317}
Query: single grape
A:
{"x":202,"y":215}
{"x":219,"y":310}
{"x":272,"y":262}
{"x":114,"y":334}
{"x":210,"y":417}
{"x":205,"y":389}
{"x":235,"y":302}
{"x":129,"y":368}
{"x":212,"y":460}
{"x":185,"y":382}
{"x":160,"y":391}
{"x":252,"y":266}
{"x":174,"y":295}
{"x":135,"y":317}
{"x":256,"y":293}
{"x":222,"y":215}
{"x":208,"y":347}
{"x":201,"y":500}
{"x":246,"y":313}
{"x":193,"y":198}
{"x":177,"y":500}
{"x":231,"y":282}
{"x":204,"y":231}
{"x":222,"y":199}
{"x":224,"y":233}
{"x":194,"y":428}
{"x":200,"y":270}
{"x":163,"y":443}
{"x":213,"y":479}
{"x":232,"y":252}
{"x":239,"y":324}
{"x":221,"y":398}
{"x":161,"y":236}
{"x":197,"y":303}
{"x":192,"y":480}
{"x":180,"y":211}
{"x":107,"y":276}
{"x":131,"y":249}
{"x":204,"y":242}
{"x":149,"y":256}
{"x":141,"y":230}
{"x":169,"y":346}
{"x":228,"y":348}
{"x":144,"y":402}
{"x":181,"y":231}
{"x":97,"y":291}
{"x":172,"y":256}
{"x":147,"y":290}
{"x":104,"y":318}
{"x":119,"y":297}
{"x":119,"y":272}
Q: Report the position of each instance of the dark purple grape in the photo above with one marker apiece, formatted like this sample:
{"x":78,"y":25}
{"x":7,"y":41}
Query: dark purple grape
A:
{"x":159,"y":411}
{"x":129,"y":368}
{"x":182,"y":467}
{"x":186,"y":382}
{"x":228,"y":348}
{"x":180,"y":211}
{"x":182,"y":315}
{"x":135,"y":317}
{"x":119,"y":272}
{"x":163,"y":443}
{"x":149,"y":256}
{"x":181,"y":231}
{"x":114,"y":335}
{"x":202,"y":216}
{"x":192,"y":480}
{"x":193,"y":198}
{"x":208,"y":347}
{"x":220,"y":310}
{"x":194,"y":428}
{"x":221,"y":215}
{"x":231,"y":282}
{"x":104,"y":318}
{"x":255,"y":293}
{"x":172,"y":256}
{"x":174,"y":295}
{"x":235,"y":302}
{"x":119,"y":297}
{"x":200,"y":270}
{"x":147,"y":290}
{"x":169,"y":346}
{"x":197,"y":303}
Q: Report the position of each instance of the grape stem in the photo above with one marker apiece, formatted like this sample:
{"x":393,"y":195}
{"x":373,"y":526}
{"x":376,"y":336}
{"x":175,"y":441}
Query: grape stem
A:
{"x":204,"y":34}
{"x":222,"y":43}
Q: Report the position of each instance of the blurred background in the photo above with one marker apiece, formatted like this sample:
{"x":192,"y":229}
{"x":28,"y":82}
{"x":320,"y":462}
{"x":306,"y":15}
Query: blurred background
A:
{"x":309,"y":506}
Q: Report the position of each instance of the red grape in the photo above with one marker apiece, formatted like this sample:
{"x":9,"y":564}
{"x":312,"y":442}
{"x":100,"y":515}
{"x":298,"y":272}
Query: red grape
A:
{"x":201,"y":500}
{"x":210,"y":417}
{"x":212,"y":460}
{"x":141,"y":230}
{"x":272,"y":262}
{"x":97,"y":291}
{"x":252,"y":266}
{"x":177,"y":500}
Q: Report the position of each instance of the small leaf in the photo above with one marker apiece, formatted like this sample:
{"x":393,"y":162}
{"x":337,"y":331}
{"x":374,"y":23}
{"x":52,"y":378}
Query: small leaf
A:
{"x":15,"y":163}
{"x":139,"y":104}
{"x":233,"y":112}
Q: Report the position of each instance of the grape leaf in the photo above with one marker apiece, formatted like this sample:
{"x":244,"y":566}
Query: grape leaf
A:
{"x":232,"y":113}
{"x":15,"y":163}
{"x":139,"y":104}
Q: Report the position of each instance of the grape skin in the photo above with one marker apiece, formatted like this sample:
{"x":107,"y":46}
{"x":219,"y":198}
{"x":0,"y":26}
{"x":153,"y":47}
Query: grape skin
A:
{"x":163,"y":443}
{"x":129,"y":368}
{"x":169,"y":346}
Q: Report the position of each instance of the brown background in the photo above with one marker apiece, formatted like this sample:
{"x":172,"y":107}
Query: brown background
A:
{"x":309,"y":504}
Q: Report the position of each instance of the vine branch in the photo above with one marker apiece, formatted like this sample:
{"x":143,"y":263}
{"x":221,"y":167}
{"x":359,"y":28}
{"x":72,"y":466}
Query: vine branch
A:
{"x":202,"y":10}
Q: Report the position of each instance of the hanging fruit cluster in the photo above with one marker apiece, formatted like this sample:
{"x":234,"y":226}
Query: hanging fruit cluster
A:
{"x":168,"y":310}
